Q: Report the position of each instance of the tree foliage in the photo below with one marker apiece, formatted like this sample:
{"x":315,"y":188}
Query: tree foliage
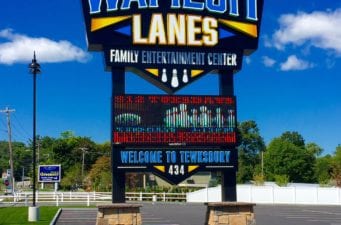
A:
{"x":336,"y":166}
{"x":251,"y":145}
{"x":99,"y":177}
{"x":22,"y":158}
{"x":323,"y":169}
{"x":72,"y":180}
{"x":287,"y":155}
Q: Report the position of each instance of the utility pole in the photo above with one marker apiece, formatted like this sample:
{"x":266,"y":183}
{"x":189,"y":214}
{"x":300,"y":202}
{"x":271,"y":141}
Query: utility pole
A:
{"x":83,"y":151}
{"x":263,"y":164}
{"x":8,"y":112}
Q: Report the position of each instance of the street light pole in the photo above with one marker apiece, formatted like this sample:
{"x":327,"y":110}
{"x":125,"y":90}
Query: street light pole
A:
{"x":34,"y":69}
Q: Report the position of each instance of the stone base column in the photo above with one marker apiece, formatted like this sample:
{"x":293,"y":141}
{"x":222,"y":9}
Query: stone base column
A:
{"x":230,"y":213}
{"x":119,"y":214}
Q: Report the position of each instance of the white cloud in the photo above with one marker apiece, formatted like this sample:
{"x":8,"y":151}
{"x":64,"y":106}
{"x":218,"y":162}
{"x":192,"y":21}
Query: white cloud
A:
{"x":293,"y":63}
{"x":268,"y":62}
{"x":18,"y":48}
{"x":318,"y":29}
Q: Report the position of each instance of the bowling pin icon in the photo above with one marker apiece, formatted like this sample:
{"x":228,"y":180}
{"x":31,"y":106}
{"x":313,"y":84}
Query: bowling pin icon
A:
{"x":164,"y":76}
{"x":175,"y":80}
{"x":185,"y":76}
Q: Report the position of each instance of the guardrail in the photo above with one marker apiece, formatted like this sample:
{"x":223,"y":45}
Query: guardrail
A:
{"x":85,"y":198}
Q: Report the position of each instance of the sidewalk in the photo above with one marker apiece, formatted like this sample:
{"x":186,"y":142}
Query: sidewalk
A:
{"x":79,"y":216}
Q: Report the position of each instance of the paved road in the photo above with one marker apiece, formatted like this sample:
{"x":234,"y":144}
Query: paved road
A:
{"x":194,"y":214}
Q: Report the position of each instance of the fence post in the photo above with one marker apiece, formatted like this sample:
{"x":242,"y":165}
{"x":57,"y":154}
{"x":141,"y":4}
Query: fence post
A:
{"x":37,"y":196}
{"x":26,"y":200}
{"x":88,"y":202}
{"x":207,"y":197}
{"x":317,"y":195}
{"x":164,"y":196}
{"x":141,"y":198}
{"x":70,"y":195}
{"x":154,"y":198}
{"x":57,"y":200}
{"x":62,"y":197}
{"x":94,"y":195}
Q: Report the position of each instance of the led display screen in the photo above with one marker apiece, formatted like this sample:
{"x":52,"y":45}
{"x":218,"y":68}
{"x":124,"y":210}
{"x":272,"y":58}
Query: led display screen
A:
{"x":174,"y":120}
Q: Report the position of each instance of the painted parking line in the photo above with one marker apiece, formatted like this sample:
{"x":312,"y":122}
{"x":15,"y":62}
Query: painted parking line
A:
{"x":158,"y":223}
{"x":331,"y":222}
{"x":314,"y":216}
{"x":322,"y":212}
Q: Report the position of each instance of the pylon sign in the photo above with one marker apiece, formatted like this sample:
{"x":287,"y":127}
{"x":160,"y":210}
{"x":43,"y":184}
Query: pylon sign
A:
{"x":171,"y":43}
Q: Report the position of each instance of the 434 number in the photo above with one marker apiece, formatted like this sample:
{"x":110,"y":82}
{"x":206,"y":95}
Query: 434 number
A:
{"x":176,"y":170}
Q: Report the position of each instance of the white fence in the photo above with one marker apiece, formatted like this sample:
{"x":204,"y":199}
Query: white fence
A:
{"x":85,"y":198}
{"x":273,"y":195}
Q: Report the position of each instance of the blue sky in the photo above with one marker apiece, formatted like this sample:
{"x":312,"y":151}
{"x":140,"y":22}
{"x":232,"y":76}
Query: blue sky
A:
{"x":291,"y":83}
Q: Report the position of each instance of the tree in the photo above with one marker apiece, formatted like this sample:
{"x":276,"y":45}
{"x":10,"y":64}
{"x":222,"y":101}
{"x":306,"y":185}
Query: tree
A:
{"x":287,"y":155}
{"x":99,"y":177}
{"x":293,"y":137}
{"x":251,"y":145}
{"x":67,"y":151}
{"x":22,"y":158}
{"x":72,"y":178}
{"x":323,"y":169}
{"x":314,"y":149}
{"x":46,"y":154}
{"x":336,"y":166}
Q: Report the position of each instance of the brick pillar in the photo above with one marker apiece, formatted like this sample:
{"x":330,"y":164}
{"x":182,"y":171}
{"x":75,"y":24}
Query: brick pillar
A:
{"x":230,"y":213}
{"x":119,"y":214}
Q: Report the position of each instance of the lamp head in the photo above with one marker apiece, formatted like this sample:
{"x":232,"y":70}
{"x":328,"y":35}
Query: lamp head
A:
{"x":34,"y":66}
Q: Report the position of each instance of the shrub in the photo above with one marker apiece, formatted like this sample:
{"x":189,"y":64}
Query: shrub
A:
{"x":258,"y":179}
{"x":282,"y":180}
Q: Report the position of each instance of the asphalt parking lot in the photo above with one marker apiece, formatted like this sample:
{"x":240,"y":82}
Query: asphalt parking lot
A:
{"x":194,"y":214}
{"x":298,"y":215}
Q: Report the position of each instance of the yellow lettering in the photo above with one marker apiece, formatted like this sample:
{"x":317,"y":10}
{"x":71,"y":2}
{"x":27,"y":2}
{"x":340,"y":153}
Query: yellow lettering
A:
{"x":210,"y":34}
{"x":157,"y":30}
{"x":137,"y":33}
{"x":176,"y":29}
{"x":190,"y":30}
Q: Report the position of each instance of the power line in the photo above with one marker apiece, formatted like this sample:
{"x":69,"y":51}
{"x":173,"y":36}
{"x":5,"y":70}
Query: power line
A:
{"x":19,"y":133}
{"x":3,"y":122}
{"x":21,"y":126}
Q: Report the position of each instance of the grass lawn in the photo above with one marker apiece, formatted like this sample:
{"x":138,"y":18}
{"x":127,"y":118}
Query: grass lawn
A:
{"x":19,"y":215}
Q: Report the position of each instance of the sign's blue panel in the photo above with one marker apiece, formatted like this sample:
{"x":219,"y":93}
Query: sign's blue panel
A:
{"x":49,"y":173}
{"x":162,"y":40}
{"x":175,"y":164}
